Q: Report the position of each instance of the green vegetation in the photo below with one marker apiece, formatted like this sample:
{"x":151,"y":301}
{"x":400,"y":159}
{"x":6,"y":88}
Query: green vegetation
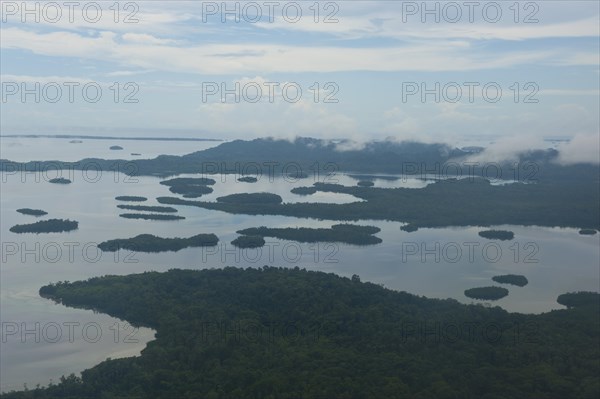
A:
{"x":190,"y":191}
{"x":487,"y":293}
{"x":166,"y":209}
{"x":252,"y":198}
{"x":46,"y":226}
{"x":151,"y":243}
{"x":60,"y":180}
{"x":115,"y":147}
{"x":190,"y":187}
{"x":365,"y":183}
{"x":501,"y":235}
{"x":580,"y":299}
{"x":190,"y":181}
{"x":346,"y":233}
{"x":481,"y":204}
{"x":248,"y":179}
{"x":514,"y":279}
{"x":131,"y":198}
{"x":557,"y":195}
{"x":587,"y":232}
{"x":150,"y":216}
{"x":248,"y":242}
{"x":303,"y":190}
{"x":32,"y":212}
{"x":324,"y":336}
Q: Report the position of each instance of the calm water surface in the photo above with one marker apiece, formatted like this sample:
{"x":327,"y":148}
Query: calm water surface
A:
{"x":438,"y":263}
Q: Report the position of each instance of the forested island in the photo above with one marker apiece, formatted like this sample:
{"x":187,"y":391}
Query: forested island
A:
{"x":32,"y":212}
{"x":487,"y":293}
{"x":582,"y":299}
{"x":151,"y":243}
{"x":373,"y":177}
{"x":345,"y":233}
{"x":303,"y":190}
{"x":365,"y":183}
{"x":409,"y":228}
{"x":252,"y":198}
{"x":502,"y":235}
{"x":59,"y":180}
{"x":115,"y":147}
{"x":482,"y":204}
{"x":514,"y":279}
{"x":189,"y":187}
{"x":587,"y":232}
{"x":46,"y":226}
{"x":248,"y":242}
{"x":248,"y":179}
{"x":147,"y":208}
{"x":150,"y":216}
{"x":555,"y":194}
{"x":131,"y":198}
{"x":313,"y":324}
{"x":191,"y":181}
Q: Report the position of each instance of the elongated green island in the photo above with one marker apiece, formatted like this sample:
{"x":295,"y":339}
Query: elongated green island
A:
{"x":152,"y":243}
{"x":247,"y":179}
{"x":287,"y":333}
{"x":131,"y":198}
{"x":502,"y":235}
{"x":60,"y":180}
{"x":514,"y":279}
{"x":303,"y":190}
{"x":487,"y":293}
{"x":344,"y":233}
{"x":46,"y":226}
{"x":165,"y":209}
{"x":150,"y":216}
{"x":32,"y":212}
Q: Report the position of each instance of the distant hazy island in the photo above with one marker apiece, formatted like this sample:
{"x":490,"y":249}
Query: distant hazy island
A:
{"x":135,"y":154}
{"x":150,"y":216}
{"x":557,"y":196}
{"x":247,"y":179}
{"x":501,"y":235}
{"x":60,"y":180}
{"x":345,"y":233}
{"x":409,"y":228}
{"x":248,"y":242}
{"x":132,"y":198}
{"x":151,"y":243}
{"x":318,"y":322}
{"x":514,"y":279}
{"x":365,"y":183}
{"x":115,"y":147}
{"x":303,"y":190}
{"x":46,"y":226}
{"x":373,"y":177}
{"x":32,"y":212}
{"x":487,"y":293}
{"x":146,"y":208}
{"x":587,"y":232}
{"x":579,"y":299}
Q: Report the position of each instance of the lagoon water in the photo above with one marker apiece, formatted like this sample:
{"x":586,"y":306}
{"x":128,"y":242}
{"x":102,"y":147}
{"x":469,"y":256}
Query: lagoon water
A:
{"x":438,"y":263}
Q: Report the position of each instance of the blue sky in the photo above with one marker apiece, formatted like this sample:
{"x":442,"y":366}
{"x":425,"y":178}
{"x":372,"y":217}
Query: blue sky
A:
{"x":369,"y":52}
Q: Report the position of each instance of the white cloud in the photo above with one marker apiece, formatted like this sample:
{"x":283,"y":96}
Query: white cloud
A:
{"x":581,"y":148}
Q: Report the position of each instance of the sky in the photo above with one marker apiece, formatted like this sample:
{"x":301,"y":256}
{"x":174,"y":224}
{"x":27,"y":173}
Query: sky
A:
{"x":505,"y":72}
